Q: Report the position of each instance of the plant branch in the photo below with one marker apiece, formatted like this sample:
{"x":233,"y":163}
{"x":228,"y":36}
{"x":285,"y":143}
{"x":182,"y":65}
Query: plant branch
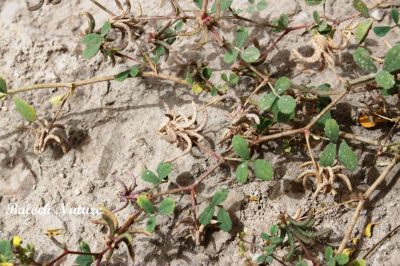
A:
{"x":364,"y":199}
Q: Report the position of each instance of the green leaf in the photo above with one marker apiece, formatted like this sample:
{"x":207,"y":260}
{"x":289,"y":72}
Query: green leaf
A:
{"x":328,"y":155}
{"x":167,"y":206}
{"x":151,"y":224}
{"x":385,"y":80}
{"x":395,"y":15}
{"x":150,"y":177}
{"x":267,"y":101}
{"x":134,"y":72}
{"x":223,"y":5}
{"x":324,"y":28}
{"x":314,"y":2}
{"x":362,"y":30}
{"x":144,"y":203}
{"x":93,"y":42}
{"x":92,"y":39}
{"x":230,"y":56}
{"x":220,"y":196}
{"x":250,"y":54}
{"x":363,"y":59}
{"x":90,"y":51}
{"x":361,"y":7}
{"x":332,"y":129}
{"x":282,"y":22}
{"x":225,"y":222}
{"x":263,"y":170}
{"x":286,"y":104}
{"x":242,"y":172}
{"x":347,"y":157}
{"x":382,"y":30}
{"x":163,"y":170}
{"x":241,"y":36}
{"x":392,"y":59}
{"x":24,"y":109}
{"x":282,"y":85}
{"x":328,"y":255}
{"x":6,"y":250}
{"x":84,"y":260}
{"x":241,"y":147}
{"x":207,"y":214}
{"x":3,"y":85}
{"x":105,"y":29}
{"x":233,"y":79}
{"x":342,"y":259}
{"x":316,"y":17}
{"x":261,"y":5}
{"x":206,"y":73}
{"x":122,"y":76}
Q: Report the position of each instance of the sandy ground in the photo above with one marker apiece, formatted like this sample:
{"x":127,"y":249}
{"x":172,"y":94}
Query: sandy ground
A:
{"x":112,"y":127}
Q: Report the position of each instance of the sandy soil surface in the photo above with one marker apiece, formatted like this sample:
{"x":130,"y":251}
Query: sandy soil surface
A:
{"x":113,"y":126}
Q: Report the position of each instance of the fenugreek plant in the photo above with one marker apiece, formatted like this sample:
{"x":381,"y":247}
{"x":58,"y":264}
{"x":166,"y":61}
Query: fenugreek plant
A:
{"x":273,"y":108}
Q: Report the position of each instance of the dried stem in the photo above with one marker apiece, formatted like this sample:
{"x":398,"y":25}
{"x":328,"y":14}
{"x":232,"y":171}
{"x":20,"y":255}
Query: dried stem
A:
{"x":364,"y":199}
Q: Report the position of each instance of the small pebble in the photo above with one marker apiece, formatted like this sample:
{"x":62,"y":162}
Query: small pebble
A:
{"x":377,"y":14}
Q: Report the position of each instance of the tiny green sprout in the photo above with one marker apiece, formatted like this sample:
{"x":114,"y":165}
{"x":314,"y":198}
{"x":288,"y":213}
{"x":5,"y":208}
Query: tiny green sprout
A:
{"x":223,"y":217}
{"x":335,"y":260}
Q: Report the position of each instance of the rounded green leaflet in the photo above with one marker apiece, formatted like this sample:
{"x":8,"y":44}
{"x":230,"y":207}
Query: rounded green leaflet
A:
{"x":220,"y":196}
{"x":163,"y":170}
{"x":225,"y":222}
{"x":167,"y":206}
{"x":144,"y":203}
{"x":385,"y":80}
{"x":250,"y":55}
{"x":332,"y":129}
{"x":363,"y":59}
{"x":26,"y":110}
{"x":267,"y":101}
{"x":328,"y":155}
{"x":392,"y":59}
{"x":241,"y":37}
{"x":150,"y":177}
{"x":286,"y":104}
{"x":207,"y":214}
{"x":241,"y":147}
{"x":282,"y":84}
{"x":347,"y":157}
{"x":230,"y":56}
{"x":342,"y":259}
{"x":242,"y":172}
{"x":263,"y":170}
